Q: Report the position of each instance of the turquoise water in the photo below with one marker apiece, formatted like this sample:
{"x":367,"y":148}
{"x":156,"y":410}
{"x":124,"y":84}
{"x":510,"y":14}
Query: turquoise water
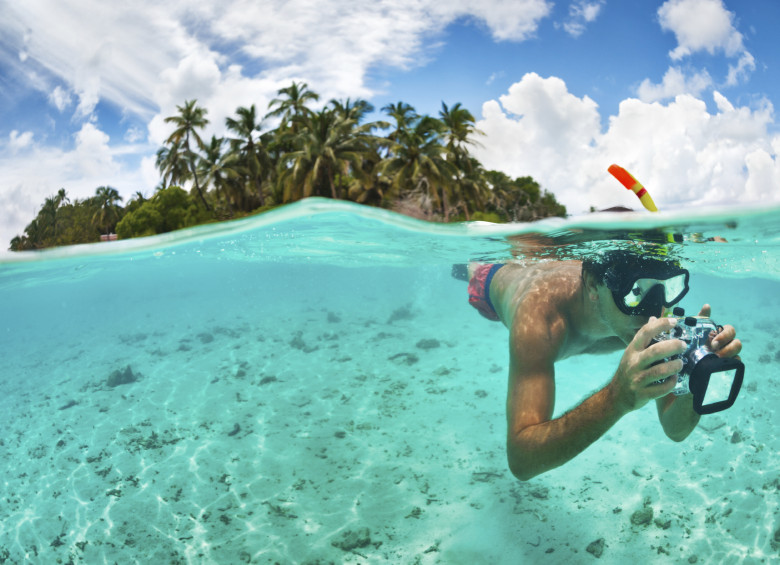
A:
{"x":311,"y":386}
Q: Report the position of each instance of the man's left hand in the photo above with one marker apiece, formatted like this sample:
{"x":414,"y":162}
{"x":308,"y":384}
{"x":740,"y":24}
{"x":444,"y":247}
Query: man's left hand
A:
{"x":723,"y":344}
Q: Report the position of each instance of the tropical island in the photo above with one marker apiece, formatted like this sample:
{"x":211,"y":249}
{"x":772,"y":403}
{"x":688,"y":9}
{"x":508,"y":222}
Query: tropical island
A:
{"x":413,"y":164}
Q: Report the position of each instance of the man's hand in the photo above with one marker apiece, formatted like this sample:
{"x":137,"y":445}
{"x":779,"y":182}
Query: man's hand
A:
{"x":676,"y":412}
{"x":725,"y":343}
{"x":635,"y":382}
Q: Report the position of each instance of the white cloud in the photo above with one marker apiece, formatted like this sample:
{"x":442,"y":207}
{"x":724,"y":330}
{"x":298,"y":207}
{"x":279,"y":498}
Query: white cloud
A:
{"x":495,"y":76}
{"x":582,"y":13}
{"x":91,"y":162}
{"x":134,"y":134}
{"x":60,"y":98}
{"x":674,"y":83}
{"x":129,"y":53}
{"x":705,"y":25}
{"x":741,"y":70}
{"x":100,"y":51}
{"x":93,"y":153}
{"x":17,"y":141}
{"x":700,"y":25}
{"x":763,"y":171}
{"x":682,"y":153}
{"x":514,"y":21}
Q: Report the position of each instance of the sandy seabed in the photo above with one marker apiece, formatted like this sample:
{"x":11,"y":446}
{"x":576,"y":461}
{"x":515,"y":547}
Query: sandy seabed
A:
{"x":354,"y":430}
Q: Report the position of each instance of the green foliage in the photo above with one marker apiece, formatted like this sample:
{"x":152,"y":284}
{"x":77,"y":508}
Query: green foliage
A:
{"x":169,"y":209}
{"x":486,"y":217}
{"x":144,"y":221}
{"x":521,"y":199}
{"x":61,"y":222}
{"x":419,"y":165}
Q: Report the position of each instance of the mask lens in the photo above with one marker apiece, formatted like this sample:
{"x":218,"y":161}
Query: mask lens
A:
{"x":673,"y":290}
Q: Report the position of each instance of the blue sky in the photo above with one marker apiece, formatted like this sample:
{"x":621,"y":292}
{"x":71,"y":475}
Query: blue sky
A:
{"x":680,"y":92}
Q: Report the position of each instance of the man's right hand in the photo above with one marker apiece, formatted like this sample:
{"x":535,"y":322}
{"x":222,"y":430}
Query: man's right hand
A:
{"x":634,"y":383}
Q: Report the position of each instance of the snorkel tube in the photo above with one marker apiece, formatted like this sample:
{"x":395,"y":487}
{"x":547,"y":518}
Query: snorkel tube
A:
{"x":627,"y":180}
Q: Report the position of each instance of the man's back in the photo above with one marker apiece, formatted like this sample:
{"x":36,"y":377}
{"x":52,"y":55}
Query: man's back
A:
{"x":545,"y":299}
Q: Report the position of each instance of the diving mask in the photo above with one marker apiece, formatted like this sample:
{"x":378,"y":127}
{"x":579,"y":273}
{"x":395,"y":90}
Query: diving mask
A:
{"x":647,"y":293}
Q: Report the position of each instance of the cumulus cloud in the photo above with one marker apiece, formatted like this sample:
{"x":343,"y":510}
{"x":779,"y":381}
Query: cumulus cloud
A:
{"x":683,"y":153}
{"x":674,"y":83}
{"x":515,"y":21}
{"x":582,"y":13}
{"x":699,"y":25}
{"x":91,"y":162}
{"x":93,"y":152}
{"x":706,"y":25}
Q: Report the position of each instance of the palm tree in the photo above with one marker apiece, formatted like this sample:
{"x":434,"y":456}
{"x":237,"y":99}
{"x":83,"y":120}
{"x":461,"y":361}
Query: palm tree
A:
{"x":403,"y":114}
{"x":191,"y":118}
{"x":135,"y":201}
{"x":350,"y":110}
{"x":469,"y":187}
{"x":459,"y":127}
{"x":470,"y":191}
{"x":291,"y":103}
{"x":330,"y":148}
{"x":500,"y":186}
{"x":248,"y":150}
{"x":107,"y":201}
{"x":50,"y":214}
{"x":35,"y":234}
{"x":222,"y":171}
{"x":417,"y":164}
{"x":366,"y":186}
{"x":62,"y":197}
{"x":174,"y":169}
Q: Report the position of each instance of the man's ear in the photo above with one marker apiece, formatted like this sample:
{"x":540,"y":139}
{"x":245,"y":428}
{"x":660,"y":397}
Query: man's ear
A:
{"x":590,"y":286}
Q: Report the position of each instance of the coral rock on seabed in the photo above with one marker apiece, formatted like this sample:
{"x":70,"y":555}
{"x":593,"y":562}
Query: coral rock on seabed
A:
{"x":596,"y":548}
{"x":122,"y":377}
{"x":428,"y":344}
{"x":351,"y":540}
{"x":642,"y":517}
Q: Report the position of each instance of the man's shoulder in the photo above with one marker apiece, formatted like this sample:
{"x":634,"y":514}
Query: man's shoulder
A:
{"x":546,"y":287}
{"x":545,"y":273}
{"x":543,"y":299}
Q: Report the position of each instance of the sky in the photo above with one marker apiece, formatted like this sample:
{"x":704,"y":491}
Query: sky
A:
{"x":679,"y":92}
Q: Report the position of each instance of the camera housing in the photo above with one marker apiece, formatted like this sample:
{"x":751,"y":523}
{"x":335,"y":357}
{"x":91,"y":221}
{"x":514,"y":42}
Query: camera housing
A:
{"x":713,"y":381}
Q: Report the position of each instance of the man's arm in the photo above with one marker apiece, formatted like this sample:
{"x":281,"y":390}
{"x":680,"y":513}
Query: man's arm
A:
{"x":677,"y":416}
{"x":535,"y":443}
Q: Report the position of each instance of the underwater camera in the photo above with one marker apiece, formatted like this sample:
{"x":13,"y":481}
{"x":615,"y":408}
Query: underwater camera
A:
{"x":713,"y":381}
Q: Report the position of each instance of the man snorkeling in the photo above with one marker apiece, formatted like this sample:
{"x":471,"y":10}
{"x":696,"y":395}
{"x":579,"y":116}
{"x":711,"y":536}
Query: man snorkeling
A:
{"x":558,"y":309}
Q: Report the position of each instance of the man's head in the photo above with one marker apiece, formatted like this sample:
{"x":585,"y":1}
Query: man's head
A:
{"x":641,"y":284}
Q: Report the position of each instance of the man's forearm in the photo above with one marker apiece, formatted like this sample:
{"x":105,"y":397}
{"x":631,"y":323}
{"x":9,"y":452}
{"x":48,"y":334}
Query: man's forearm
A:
{"x":677,"y":416}
{"x":545,"y":446}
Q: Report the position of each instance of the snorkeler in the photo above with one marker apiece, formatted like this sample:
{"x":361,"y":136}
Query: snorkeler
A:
{"x":558,"y":309}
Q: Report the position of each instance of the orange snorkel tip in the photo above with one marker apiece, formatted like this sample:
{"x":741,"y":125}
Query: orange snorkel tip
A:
{"x":627,"y":180}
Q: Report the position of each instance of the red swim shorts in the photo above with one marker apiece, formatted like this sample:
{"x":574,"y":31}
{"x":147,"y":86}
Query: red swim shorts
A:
{"x":479,"y":290}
